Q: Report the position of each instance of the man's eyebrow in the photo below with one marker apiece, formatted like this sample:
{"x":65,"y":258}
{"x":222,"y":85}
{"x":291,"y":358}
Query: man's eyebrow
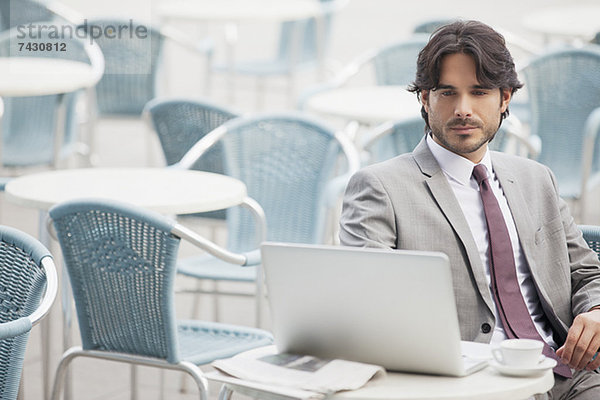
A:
{"x":446,"y":87}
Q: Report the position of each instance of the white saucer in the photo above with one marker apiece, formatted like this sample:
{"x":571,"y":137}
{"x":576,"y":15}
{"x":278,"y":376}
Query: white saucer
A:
{"x":543,"y":366}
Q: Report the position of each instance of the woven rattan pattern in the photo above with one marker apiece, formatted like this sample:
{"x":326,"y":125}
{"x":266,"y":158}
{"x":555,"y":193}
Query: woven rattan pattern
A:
{"x":20,"y":282}
{"x":119,"y":265}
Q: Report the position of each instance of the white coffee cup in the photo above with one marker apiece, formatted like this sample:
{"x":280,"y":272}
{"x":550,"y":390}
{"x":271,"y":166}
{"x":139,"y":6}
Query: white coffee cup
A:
{"x":519,"y":353}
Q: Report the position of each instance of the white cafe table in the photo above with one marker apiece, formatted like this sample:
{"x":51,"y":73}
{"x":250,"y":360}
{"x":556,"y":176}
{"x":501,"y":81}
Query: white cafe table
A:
{"x":231,"y":13}
{"x":165,"y":190}
{"x":573,"y":21}
{"x":486,"y":384}
{"x":37,"y":76}
{"x":368,"y":105}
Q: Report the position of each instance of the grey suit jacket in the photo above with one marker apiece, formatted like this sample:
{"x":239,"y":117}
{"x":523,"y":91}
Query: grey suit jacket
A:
{"x":407,"y":203}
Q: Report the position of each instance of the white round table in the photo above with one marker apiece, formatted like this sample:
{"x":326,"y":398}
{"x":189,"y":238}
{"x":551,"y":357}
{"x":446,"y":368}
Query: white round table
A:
{"x":165,"y":190}
{"x":36,"y":76}
{"x":368,"y":105}
{"x":576,"y":21}
{"x":486,"y":384}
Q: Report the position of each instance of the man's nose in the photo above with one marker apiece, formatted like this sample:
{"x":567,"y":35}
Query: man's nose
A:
{"x":463,"y":107}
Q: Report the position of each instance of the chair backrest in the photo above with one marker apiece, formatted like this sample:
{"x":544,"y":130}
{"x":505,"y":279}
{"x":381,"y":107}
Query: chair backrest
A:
{"x":29,"y":141}
{"x":591,"y":234}
{"x":132,"y":52}
{"x":308,"y":34}
{"x":121,"y":264}
{"x":180,"y":123}
{"x":563,"y":87}
{"x":26,"y":271}
{"x":287,"y":162}
{"x":396,"y":64}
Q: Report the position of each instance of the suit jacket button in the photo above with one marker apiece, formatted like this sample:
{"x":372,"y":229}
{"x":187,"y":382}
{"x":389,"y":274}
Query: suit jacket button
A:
{"x":486,"y":328}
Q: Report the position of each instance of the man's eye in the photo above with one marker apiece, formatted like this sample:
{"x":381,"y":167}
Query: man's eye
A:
{"x":447,"y":93}
{"x":479,"y":93}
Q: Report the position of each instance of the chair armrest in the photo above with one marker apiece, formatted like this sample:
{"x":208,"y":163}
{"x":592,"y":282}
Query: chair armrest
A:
{"x":244,"y":259}
{"x":24,"y":324}
{"x":51,"y":290}
{"x":336,"y":186}
{"x":354,"y":67}
{"x":515,"y":131}
{"x":192,"y":155}
{"x":204,"y":47}
{"x":339,"y":80}
{"x":208,"y":246}
{"x":374,"y":134}
{"x":15,"y":328}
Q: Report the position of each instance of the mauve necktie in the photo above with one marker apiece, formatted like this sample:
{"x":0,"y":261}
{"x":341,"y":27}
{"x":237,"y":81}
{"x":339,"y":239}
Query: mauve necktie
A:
{"x":505,"y":286}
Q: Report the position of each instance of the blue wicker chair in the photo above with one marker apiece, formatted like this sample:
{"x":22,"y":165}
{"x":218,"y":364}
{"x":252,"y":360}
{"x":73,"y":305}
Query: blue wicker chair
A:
{"x":133,"y":65}
{"x":26,"y":271}
{"x":284,"y":63}
{"x":289,"y":164}
{"x":121,"y":264}
{"x":564,"y":94}
{"x":28,"y":141}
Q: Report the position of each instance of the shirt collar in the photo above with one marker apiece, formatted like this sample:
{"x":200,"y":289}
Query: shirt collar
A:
{"x":455,"y":166}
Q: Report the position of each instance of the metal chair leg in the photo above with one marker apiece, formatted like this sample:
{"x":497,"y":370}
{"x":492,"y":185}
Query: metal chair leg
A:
{"x":225,"y":393}
{"x":59,"y":378}
{"x":134,"y":387}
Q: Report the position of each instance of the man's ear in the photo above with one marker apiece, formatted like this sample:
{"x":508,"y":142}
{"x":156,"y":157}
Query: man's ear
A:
{"x":506,"y":95}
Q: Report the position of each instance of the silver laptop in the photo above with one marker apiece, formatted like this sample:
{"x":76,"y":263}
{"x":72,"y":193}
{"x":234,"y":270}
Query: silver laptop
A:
{"x":390,"y":308}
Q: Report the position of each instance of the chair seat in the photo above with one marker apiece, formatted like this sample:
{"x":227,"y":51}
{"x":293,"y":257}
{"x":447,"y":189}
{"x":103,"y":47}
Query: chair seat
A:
{"x":202,"y":342}
{"x":207,"y":267}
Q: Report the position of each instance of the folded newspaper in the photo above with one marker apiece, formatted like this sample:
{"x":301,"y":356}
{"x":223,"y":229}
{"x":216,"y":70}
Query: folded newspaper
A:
{"x":295,"y":376}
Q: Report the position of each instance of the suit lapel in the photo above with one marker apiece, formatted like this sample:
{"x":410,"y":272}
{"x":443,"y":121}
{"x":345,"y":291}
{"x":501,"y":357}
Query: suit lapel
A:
{"x":446,"y":200}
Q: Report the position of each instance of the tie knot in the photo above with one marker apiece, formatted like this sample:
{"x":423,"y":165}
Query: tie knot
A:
{"x":480,"y":173}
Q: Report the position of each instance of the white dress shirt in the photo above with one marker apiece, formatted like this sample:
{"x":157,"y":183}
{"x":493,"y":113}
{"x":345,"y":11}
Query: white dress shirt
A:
{"x":458,"y":171}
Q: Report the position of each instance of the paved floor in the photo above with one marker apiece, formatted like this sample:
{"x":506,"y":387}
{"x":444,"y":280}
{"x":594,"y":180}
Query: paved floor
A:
{"x":362,"y":25}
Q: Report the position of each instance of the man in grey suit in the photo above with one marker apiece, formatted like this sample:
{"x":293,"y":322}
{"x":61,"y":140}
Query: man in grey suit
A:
{"x":431,"y":199}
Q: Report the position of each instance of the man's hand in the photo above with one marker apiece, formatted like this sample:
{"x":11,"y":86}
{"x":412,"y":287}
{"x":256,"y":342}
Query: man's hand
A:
{"x":583,"y":342}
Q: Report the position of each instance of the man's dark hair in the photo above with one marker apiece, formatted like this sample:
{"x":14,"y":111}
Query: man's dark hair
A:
{"x":494,"y":64}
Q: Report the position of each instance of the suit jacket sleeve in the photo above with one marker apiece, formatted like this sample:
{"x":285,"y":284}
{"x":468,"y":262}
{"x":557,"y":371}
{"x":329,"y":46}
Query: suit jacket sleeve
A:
{"x":584,"y":264}
{"x":368,"y":218}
